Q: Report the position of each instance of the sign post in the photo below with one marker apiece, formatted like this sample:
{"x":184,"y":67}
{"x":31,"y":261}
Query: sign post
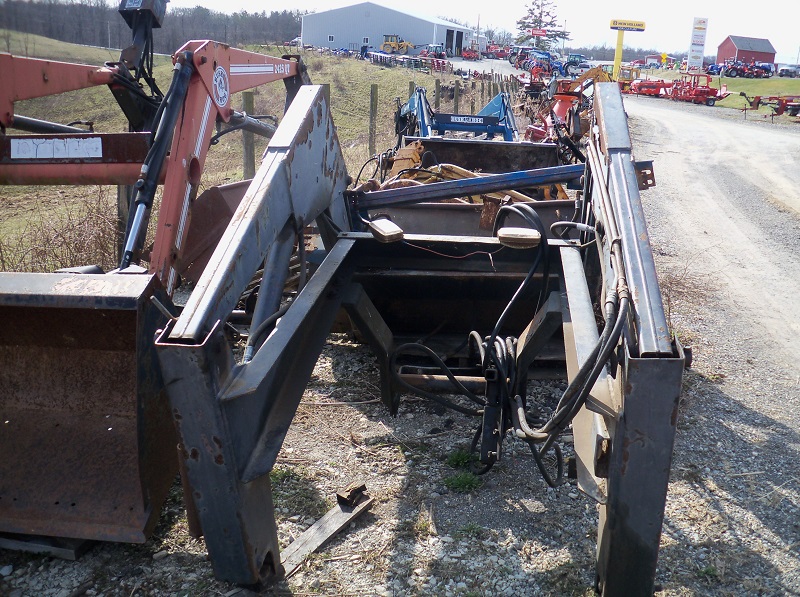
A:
{"x":622,"y":26}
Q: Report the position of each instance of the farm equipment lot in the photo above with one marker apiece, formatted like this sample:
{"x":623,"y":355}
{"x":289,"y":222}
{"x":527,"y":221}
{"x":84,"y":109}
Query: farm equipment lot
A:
{"x":731,"y":521}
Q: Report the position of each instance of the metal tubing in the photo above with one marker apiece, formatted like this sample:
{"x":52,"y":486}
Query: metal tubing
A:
{"x":276,"y":270}
{"x":653,"y":334}
{"x":469,"y":186}
{"x":34,"y":125}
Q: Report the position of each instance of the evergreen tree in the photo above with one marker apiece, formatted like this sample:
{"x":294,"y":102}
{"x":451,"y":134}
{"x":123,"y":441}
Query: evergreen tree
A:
{"x":541,"y":14}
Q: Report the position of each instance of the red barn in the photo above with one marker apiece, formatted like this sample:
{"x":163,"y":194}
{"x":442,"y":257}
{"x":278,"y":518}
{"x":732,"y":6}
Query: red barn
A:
{"x":746,"y":49}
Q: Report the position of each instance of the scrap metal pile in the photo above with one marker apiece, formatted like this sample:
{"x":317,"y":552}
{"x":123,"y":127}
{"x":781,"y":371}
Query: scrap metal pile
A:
{"x":500,"y":294}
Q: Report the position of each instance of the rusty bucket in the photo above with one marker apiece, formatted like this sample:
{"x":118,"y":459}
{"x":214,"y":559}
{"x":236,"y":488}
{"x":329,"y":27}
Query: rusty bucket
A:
{"x":86,"y":436}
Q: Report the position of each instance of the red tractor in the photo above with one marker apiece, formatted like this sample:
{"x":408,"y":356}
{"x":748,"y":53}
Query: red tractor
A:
{"x":434,"y":51}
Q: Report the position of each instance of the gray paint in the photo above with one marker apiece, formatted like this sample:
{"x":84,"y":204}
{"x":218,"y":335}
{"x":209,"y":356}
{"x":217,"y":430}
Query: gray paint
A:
{"x":349,"y":25}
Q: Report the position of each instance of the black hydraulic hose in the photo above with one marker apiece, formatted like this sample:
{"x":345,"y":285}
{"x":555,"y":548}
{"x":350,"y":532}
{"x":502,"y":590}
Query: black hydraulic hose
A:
{"x":570,"y":410}
{"x":583,"y":376}
{"x":532,"y":218}
{"x":537,"y":457}
{"x":145,"y":187}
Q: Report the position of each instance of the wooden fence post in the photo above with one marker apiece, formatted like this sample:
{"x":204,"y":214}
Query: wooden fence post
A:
{"x":437,"y":100}
{"x":248,"y":138}
{"x":455,"y":96}
{"x":373,"y":116}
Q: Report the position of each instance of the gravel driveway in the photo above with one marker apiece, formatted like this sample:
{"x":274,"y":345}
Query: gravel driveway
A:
{"x":725,"y":228}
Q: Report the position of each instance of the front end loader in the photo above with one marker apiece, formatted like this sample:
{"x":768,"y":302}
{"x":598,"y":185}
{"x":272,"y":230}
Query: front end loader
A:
{"x":89,"y":442}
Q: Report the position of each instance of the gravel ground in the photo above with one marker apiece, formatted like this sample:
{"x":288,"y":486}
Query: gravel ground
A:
{"x":731,"y":524}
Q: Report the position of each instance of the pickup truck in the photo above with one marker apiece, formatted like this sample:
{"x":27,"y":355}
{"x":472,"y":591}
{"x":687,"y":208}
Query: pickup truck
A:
{"x":787,"y":71}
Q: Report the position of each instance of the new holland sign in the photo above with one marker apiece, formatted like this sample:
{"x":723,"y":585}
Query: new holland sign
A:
{"x":621,"y":25}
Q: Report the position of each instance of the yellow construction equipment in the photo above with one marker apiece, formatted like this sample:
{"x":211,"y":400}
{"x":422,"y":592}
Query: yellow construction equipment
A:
{"x":395,"y":43}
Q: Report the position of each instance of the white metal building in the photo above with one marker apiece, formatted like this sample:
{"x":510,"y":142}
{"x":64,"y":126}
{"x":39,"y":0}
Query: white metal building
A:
{"x":354,"y":26}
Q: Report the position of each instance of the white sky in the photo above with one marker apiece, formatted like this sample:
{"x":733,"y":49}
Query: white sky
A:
{"x":668,"y":24}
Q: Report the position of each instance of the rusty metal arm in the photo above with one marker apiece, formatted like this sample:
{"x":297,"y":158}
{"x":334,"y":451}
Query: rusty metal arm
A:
{"x":232,"y":417}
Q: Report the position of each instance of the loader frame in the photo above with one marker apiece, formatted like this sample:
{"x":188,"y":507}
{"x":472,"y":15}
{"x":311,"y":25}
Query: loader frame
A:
{"x":232,"y":415}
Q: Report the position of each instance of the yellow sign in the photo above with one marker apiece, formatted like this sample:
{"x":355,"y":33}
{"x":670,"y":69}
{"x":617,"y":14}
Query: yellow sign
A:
{"x":664,"y":58}
{"x":621,"y":25}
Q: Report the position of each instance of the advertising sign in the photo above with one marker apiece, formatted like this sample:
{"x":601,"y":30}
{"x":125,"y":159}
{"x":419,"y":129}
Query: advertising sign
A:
{"x":537,"y":32}
{"x":698,"y":44}
{"x":623,"y":25}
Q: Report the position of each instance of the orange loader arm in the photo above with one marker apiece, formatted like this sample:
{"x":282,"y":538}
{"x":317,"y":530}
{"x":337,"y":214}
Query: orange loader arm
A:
{"x":219,"y":72}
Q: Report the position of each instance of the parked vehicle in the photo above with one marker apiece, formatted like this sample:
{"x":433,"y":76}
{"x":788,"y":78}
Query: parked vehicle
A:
{"x":494,"y":51}
{"x":395,"y":43}
{"x":434,"y":51}
{"x":515,"y":50}
{"x":767,"y":67}
{"x":787,"y":71}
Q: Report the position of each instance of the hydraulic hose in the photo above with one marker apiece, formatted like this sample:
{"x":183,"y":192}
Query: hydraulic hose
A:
{"x":145,"y":187}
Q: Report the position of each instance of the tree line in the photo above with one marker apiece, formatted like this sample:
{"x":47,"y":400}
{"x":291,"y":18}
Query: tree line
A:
{"x":98,"y":23}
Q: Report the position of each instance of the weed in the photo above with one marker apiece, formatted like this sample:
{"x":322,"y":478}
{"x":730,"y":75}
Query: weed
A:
{"x":471,"y":530}
{"x":709,"y":572}
{"x":64,"y":233}
{"x":460,"y":459}
{"x":463,"y":482}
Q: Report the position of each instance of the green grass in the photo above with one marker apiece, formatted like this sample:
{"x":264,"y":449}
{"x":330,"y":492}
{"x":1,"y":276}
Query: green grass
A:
{"x":460,"y":459}
{"x":463,"y":482}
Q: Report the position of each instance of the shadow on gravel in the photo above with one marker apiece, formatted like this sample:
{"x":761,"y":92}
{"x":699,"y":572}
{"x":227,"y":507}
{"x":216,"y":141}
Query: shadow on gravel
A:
{"x":732,"y":525}
{"x":502,"y":533}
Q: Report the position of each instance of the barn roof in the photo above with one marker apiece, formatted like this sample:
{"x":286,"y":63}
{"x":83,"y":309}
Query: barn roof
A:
{"x":752,"y":44}
{"x":411,"y":13}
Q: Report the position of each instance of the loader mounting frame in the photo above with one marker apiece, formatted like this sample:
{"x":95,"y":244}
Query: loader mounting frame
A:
{"x":232,"y":416}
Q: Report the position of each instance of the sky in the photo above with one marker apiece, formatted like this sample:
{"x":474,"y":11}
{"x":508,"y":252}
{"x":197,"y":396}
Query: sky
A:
{"x":668,"y":25}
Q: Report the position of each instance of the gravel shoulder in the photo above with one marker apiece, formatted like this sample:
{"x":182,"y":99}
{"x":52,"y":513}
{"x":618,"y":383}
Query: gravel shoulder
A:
{"x":724,"y":228}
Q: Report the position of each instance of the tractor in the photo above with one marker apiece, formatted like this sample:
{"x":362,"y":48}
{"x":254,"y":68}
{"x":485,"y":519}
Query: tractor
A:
{"x":434,"y":51}
{"x":395,"y":44}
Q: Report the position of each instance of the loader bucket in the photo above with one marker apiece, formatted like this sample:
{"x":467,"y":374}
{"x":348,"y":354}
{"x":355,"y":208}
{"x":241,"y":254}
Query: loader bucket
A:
{"x":88,"y":445}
